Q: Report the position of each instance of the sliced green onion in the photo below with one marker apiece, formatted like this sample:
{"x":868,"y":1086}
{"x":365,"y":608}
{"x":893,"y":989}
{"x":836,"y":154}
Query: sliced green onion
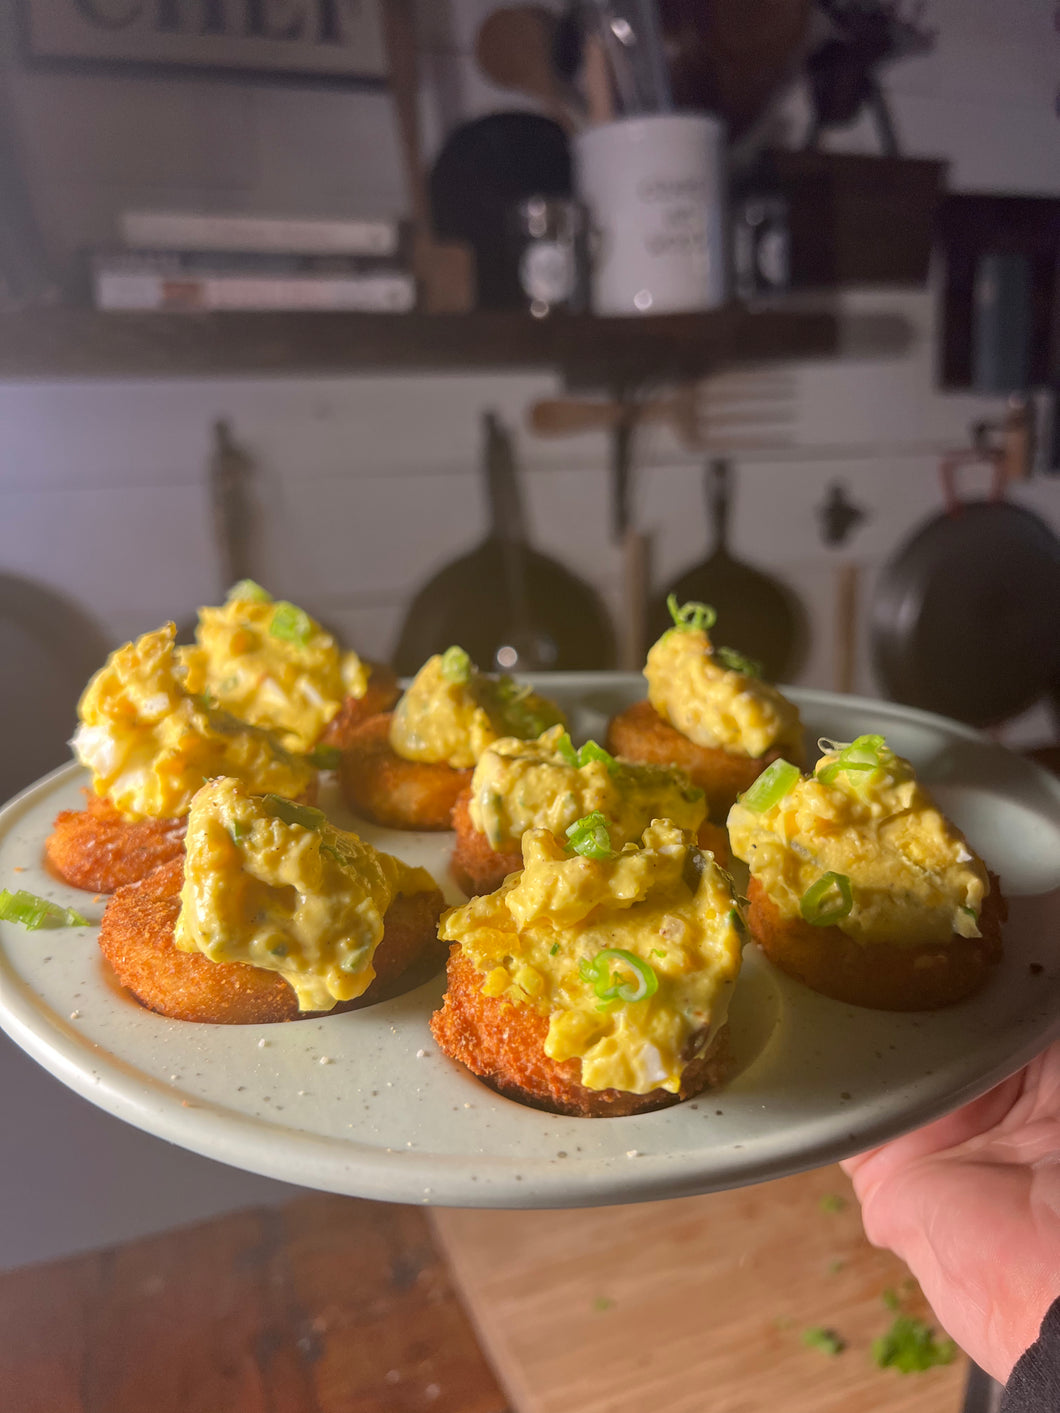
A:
{"x":357,"y":958}
{"x":248,"y":589}
{"x":608,"y":985}
{"x":590,"y":837}
{"x":206,"y":701}
{"x":292,"y":813}
{"x":591,"y":751}
{"x":279,"y":951}
{"x":736,"y":662}
{"x":737,"y":923}
{"x":239,"y":831}
{"x":291,"y":623}
{"x":34,"y":912}
{"x":865,"y":753}
{"x":692,"y":616}
{"x":776,"y":781}
{"x":970,"y":911}
{"x":565,"y":748}
{"x":326,"y":757}
{"x":553,"y":949}
{"x":521,"y":712}
{"x":456,"y":665}
{"x":827,"y":900}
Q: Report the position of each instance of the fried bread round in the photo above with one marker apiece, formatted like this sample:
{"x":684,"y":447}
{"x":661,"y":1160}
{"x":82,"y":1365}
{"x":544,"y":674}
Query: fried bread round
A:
{"x":878,"y":974}
{"x":383,"y":691}
{"x":504,"y":1045}
{"x":96,"y":849}
{"x":136,"y":938}
{"x":384,"y":787}
{"x":640,"y":733}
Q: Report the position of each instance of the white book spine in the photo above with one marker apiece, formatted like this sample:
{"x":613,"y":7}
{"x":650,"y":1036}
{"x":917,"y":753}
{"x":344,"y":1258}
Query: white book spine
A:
{"x":392,"y":293}
{"x":278,"y":235}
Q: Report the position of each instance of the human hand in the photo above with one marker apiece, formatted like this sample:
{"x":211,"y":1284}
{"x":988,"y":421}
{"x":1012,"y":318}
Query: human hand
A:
{"x":971,"y":1203}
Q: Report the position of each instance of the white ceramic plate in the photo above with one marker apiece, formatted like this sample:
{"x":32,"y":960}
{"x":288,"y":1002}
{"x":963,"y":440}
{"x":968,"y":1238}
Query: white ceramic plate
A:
{"x":365,"y":1104}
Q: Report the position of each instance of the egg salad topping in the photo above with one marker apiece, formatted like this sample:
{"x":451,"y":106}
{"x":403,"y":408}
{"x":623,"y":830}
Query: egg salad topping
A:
{"x":859,"y":844}
{"x":712,"y":695}
{"x":269,"y":663}
{"x":631,"y":954}
{"x":518,"y":785}
{"x":273,"y":884}
{"x":452,"y":712}
{"x":150,"y":745}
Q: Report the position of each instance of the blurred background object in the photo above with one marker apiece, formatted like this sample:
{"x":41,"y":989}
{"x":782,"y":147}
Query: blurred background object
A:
{"x":510,"y":606}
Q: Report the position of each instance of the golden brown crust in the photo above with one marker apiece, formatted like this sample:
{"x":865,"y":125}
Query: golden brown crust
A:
{"x":383,"y":691}
{"x":640,"y":733}
{"x":402,"y":794}
{"x":878,"y":975}
{"x":96,"y":849}
{"x":136,"y":938}
{"x":480,"y":868}
{"x":504,"y":1045}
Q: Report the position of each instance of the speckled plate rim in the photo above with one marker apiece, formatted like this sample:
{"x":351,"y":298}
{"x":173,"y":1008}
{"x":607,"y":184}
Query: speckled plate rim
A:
{"x":751,"y":1131}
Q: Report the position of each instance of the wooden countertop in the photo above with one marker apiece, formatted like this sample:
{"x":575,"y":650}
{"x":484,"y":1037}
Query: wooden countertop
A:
{"x":332,"y":1305}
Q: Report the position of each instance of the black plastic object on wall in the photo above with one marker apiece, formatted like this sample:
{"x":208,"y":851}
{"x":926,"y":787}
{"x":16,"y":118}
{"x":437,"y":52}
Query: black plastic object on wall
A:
{"x":508,"y":605}
{"x":483,"y":171}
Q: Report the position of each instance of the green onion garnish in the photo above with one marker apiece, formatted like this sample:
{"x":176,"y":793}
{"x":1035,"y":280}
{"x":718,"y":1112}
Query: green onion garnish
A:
{"x":827,"y":900}
{"x":737,"y":923}
{"x":553,"y":949}
{"x":911,"y":1346}
{"x":325,"y":757}
{"x":34,"y":912}
{"x":456,"y":665}
{"x":776,"y":781}
{"x":291,"y":623}
{"x":292,"y":813}
{"x":736,"y":662}
{"x":862,"y":754}
{"x":565,"y":748}
{"x":827,"y":1341}
{"x":692,"y":616}
{"x":239,"y":831}
{"x":609,"y":986}
{"x":248,"y":589}
{"x":590,"y":751}
{"x":590,"y":837}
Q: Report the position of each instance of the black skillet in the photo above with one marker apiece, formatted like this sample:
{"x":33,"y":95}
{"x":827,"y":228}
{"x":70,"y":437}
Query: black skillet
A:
{"x":966,"y":616}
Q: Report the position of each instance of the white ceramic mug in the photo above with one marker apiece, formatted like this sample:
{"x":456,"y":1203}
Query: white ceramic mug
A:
{"x":655,"y":190}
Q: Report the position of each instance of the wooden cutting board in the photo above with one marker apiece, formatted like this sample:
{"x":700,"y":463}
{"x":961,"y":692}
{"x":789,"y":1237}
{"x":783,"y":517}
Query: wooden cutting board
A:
{"x":690,"y":1306}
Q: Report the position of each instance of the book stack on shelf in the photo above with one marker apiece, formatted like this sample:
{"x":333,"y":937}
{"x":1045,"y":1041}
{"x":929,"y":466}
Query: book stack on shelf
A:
{"x":199,"y":262}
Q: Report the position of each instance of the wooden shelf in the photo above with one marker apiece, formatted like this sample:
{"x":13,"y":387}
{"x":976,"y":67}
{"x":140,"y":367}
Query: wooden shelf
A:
{"x":84,"y":343}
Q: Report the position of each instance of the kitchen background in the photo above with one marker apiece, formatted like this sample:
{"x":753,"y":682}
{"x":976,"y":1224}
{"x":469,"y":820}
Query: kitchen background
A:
{"x":365,"y":485}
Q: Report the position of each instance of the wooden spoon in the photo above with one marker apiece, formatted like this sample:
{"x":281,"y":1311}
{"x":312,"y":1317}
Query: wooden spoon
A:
{"x":514,"y":49}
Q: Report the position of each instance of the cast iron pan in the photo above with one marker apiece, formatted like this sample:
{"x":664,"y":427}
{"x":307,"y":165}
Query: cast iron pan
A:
{"x":757,"y":614}
{"x":966,"y":616}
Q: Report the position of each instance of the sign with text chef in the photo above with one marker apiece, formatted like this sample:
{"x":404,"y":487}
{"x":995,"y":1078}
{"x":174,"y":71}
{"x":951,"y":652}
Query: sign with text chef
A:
{"x":317,"y":39}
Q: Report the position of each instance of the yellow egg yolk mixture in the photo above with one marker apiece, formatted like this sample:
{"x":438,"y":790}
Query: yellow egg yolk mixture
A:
{"x":271,"y":664}
{"x":451,"y":712}
{"x":632,"y":956}
{"x":715,"y":705}
{"x":273,"y":884}
{"x":859,"y":844}
{"x":519,"y":785}
{"x":150,"y":745}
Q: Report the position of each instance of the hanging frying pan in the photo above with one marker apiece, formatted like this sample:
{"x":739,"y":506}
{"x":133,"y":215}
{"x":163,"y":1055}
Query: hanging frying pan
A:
{"x":966,"y":616}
